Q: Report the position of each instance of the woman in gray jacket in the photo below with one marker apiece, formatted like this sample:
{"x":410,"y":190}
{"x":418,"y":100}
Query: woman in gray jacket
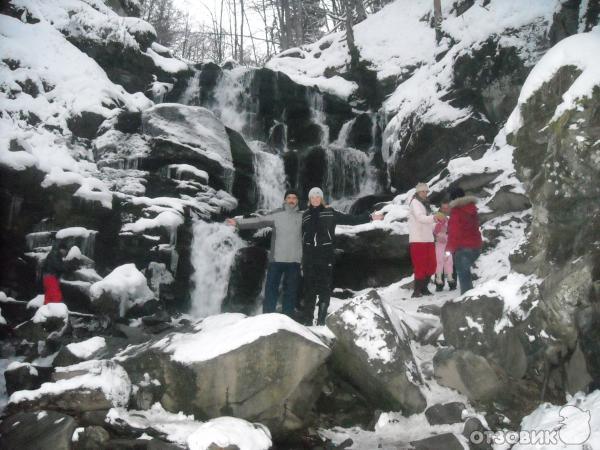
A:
{"x":286,"y":251}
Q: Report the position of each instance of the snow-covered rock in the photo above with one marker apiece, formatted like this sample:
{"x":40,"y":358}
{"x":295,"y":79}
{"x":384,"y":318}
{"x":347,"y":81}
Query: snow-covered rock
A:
{"x":189,"y":135}
{"x":230,"y":431}
{"x":77,"y":352}
{"x":87,"y":386}
{"x":266,"y":367}
{"x":120,"y":290}
{"x":378,"y":360}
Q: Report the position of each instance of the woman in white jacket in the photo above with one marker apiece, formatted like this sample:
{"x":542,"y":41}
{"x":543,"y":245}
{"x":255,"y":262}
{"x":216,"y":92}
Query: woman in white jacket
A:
{"x":420,"y":238}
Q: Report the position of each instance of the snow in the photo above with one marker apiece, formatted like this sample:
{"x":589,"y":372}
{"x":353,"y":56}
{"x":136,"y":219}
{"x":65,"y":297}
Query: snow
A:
{"x":74,"y":253}
{"x":36,"y":302}
{"x":186,"y":431}
{"x":167,"y":219}
{"x":230,"y":431}
{"x":103,"y":375}
{"x":181,"y":169}
{"x":170,"y":65}
{"x":85,"y":349}
{"x":126,"y":284}
{"x":361,"y":315}
{"x":576,"y":423}
{"x":89,"y":19}
{"x":45,"y":312}
{"x":217,"y":335}
{"x":74,"y":232}
{"x":176,"y":427}
{"x":2,"y":319}
{"x":581,"y":51}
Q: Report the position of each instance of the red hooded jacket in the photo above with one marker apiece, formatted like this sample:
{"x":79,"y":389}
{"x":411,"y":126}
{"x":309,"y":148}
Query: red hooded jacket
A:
{"x":463,"y":226}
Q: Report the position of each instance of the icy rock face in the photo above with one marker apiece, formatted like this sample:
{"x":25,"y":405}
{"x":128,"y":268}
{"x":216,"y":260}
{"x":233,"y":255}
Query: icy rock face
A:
{"x":265,"y":368}
{"x":555,"y":131}
{"x":378,"y":360}
{"x":184,"y":134}
{"x":40,"y":429}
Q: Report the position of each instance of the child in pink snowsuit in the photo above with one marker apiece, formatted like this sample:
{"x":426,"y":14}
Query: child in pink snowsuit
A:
{"x":445,"y":264}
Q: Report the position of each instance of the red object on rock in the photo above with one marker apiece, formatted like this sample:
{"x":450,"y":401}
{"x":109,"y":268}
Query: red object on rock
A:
{"x":52,"y":293}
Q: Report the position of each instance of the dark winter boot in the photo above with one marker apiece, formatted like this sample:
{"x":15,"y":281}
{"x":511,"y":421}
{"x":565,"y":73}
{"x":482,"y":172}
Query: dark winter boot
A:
{"x":418,"y":289}
{"x":452,"y":285}
{"x":322,"y":314}
{"x":424,"y":289}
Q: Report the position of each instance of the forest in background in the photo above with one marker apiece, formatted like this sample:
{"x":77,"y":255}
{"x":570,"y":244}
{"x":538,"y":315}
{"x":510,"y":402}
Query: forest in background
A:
{"x":228,"y":33}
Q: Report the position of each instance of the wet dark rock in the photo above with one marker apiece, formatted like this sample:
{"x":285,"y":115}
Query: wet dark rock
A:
{"x":445,"y":414}
{"x":246,"y":280}
{"x":244,"y":180}
{"x":447,"y":441}
{"x":370,"y":258}
{"x":85,"y":125}
{"x":490,"y":79}
{"x":92,"y":438}
{"x":26,"y":376}
{"x":472,"y":431}
{"x":414,"y":164}
{"x":37,"y":430}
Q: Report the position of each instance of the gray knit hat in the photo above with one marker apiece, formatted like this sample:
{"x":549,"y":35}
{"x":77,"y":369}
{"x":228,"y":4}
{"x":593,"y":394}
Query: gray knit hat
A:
{"x":315,"y":192}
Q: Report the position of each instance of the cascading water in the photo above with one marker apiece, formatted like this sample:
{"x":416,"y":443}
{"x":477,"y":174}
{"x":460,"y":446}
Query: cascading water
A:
{"x":315,"y":101}
{"x":349,"y":174}
{"x":270,"y":178}
{"x":233,"y":105}
{"x":342,"y":139}
{"x":213,"y":252}
{"x":191,"y":95}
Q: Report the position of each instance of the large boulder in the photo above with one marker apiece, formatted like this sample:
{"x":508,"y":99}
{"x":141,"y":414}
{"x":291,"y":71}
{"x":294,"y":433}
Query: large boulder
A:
{"x":265,"y":368}
{"x":37,"y":430}
{"x":188,"y":134}
{"x":468,"y":373}
{"x":373,"y":356}
{"x":88,"y":386}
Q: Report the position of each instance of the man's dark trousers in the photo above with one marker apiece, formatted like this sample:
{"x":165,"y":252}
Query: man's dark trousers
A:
{"x":291,"y":275}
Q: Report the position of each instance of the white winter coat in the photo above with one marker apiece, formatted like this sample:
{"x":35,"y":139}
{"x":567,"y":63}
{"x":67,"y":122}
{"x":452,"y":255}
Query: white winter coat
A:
{"x":420,"y":225}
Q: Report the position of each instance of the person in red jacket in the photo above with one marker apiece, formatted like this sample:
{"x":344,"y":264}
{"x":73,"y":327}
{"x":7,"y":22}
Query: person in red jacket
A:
{"x":464,"y":237}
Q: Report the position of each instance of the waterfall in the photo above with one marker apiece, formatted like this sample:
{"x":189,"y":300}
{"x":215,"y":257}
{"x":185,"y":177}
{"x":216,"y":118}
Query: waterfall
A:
{"x":213,"y":252}
{"x":317,"y":110}
{"x":233,"y":105}
{"x":270,"y":178}
{"x":191,"y":95}
{"x":349,"y":174}
{"x":342,"y":139}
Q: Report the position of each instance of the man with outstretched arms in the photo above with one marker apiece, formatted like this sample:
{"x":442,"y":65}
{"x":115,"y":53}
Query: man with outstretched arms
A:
{"x":286,"y":251}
